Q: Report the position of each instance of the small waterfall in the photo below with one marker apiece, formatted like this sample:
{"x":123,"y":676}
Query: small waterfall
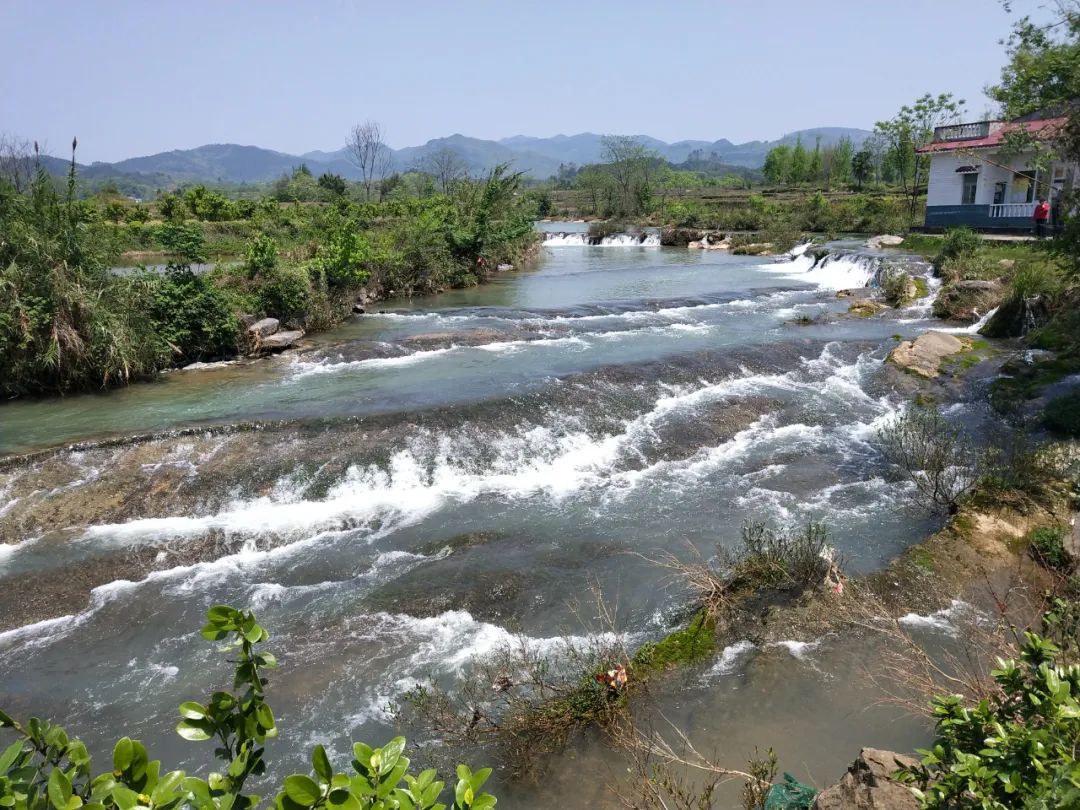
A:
{"x":578,"y":239}
{"x":840,"y":270}
{"x":983,"y":321}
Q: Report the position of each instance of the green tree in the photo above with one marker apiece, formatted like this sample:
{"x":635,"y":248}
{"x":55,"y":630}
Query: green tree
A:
{"x":910,"y":128}
{"x":862,"y":166}
{"x":631,"y":167}
{"x":335,"y":184}
{"x":777,"y":166}
{"x":840,"y":160}
{"x":798,"y":168}
{"x":815,"y":169}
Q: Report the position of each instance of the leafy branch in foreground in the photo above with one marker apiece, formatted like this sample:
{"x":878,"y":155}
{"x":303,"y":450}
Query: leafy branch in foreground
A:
{"x":1014,"y":749}
{"x":44,"y":769}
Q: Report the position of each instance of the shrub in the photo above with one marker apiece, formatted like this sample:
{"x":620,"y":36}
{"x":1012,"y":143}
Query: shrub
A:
{"x":1016,"y":748}
{"x":776,"y":559}
{"x":897,"y":286}
{"x":935,"y":456}
{"x":261,"y":255}
{"x":1062,"y":414}
{"x":45,"y":769}
{"x":1047,"y":545}
{"x":957,"y":243}
{"x":284,"y":292}
{"x":192,"y":315}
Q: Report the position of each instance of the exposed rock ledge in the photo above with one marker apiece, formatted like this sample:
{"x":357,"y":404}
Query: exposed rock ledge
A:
{"x":868,"y":785}
{"x":923,"y":355}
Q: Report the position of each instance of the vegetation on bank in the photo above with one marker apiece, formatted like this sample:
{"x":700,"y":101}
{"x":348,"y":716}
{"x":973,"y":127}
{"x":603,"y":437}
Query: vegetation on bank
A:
{"x":46,"y":769}
{"x":69,"y":322}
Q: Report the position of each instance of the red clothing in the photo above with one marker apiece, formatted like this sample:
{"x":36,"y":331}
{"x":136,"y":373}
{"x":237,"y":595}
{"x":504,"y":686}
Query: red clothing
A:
{"x":1042,"y":212}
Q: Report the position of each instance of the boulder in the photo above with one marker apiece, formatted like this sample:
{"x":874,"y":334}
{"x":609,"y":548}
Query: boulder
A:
{"x":866,"y":308}
{"x":885,"y":240}
{"x":280,"y":341}
{"x":502,"y":268}
{"x":754,"y":249}
{"x":868,"y":785}
{"x":263,"y":328}
{"x":923,"y":355}
{"x":968,"y":300}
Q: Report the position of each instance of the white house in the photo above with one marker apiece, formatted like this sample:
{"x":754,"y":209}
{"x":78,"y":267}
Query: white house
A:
{"x":972,"y":183}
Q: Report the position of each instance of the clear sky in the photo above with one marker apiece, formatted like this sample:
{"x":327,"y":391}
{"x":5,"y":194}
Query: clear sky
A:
{"x":134,"y":77}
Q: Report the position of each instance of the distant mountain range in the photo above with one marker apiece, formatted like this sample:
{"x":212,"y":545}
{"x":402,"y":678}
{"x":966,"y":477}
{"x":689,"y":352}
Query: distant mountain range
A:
{"x":538,"y":157}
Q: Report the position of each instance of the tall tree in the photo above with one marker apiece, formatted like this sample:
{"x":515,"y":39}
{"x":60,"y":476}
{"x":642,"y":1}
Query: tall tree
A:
{"x":777,"y":164}
{"x":800,"y":163}
{"x":369,"y":153}
{"x":840,"y":161}
{"x":815,"y":166}
{"x":446,"y":166}
{"x":912,"y":127}
{"x":630,"y":164}
{"x":862,"y":166}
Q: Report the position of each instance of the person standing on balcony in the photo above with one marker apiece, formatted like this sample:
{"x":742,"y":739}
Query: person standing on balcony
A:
{"x":1041,"y":216}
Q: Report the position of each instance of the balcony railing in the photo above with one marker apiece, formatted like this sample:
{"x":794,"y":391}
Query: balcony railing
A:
{"x":962,"y":132}
{"x":1012,"y":210}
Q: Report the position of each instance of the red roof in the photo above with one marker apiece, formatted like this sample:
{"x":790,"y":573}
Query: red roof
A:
{"x":1043,"y":129}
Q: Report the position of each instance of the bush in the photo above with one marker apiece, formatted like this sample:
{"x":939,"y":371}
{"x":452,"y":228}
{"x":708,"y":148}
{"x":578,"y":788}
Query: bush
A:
{"x":897,"y":286}
{"x":957,"y":243}
{"x":45,"y":769}
{"x":192,"y":315}
{"x":284,"y":292}
{"x":772,"y":559}
{"x":1062,"y":414}
{"x":1047,"y":545}
{"x":935,"y":456}
{"x":1016,"y":748}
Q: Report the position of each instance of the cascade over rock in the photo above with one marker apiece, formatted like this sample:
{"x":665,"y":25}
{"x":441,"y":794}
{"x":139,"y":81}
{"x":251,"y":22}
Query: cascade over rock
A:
{"x":968,"y":300}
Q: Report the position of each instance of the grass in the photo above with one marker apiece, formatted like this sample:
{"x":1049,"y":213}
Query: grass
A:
{"x":1062,"y":414}
{"x":922,"y":289}
{"x":695,"y":642}
{"x":1047,"y":545}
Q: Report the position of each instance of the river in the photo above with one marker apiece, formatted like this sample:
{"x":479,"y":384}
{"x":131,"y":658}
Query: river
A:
{"x":429,"y":480}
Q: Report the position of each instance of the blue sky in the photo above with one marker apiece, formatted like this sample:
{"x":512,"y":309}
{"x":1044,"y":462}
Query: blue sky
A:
{"x":131,"y":77}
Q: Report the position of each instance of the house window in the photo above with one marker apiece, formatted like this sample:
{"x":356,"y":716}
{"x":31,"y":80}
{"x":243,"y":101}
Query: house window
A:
{"x":971,"y":183}
{"x":999,"y":193}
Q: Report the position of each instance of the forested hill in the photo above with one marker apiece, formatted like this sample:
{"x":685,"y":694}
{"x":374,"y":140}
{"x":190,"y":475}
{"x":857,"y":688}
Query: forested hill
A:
{"x":537,"y":157}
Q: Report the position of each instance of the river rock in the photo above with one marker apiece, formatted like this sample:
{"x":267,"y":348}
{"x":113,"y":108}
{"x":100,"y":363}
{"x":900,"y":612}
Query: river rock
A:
{"x":866,"y":308}
{"x":868,"y":785}
{"x":923,"y":355}
{"x":968,"y":300}
{"x":263,"y":328}
{"x":280,"y":340}
{"x":884,"y":240}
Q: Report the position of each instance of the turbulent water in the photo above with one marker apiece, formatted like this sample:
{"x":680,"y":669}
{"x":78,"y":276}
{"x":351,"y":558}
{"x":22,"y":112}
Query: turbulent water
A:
{"x":427,"y":481}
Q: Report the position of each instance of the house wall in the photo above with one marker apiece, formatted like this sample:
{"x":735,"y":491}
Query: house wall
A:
{"x":943,"y":206}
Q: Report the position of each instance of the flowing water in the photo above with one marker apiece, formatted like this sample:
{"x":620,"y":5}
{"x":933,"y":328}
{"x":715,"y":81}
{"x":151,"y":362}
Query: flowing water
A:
{"x":427,"y":481}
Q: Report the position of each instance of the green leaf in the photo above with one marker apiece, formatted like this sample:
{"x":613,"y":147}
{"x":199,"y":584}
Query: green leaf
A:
{"x":195,"y":730}
{"x":479,"y":777}
{"x":302,"y":789}
{"x":124,"y":797}
{"x":9,"y":756}
{"x":221,"y":614}
{"x":192,"y":710}
{"x":199,"y":790}
{"x":59,"y":789}
{"x":265,"y":716}
{"x":321,"y":763}
{"x":122,"y":753}
{"x":165,"y":787}
{"x":391,"y":752}
{"x":6,"y":721}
